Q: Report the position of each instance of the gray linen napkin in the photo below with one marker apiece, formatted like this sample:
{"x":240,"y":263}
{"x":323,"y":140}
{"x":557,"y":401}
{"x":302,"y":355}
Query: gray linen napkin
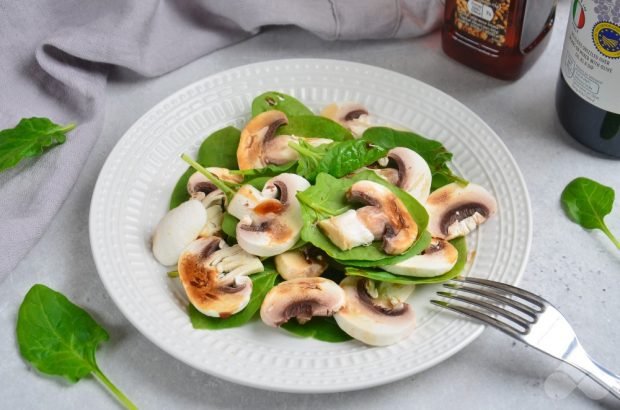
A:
{"x":55,"y":56}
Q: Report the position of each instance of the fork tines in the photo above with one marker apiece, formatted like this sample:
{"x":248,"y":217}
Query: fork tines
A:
{"x":505,"y":307}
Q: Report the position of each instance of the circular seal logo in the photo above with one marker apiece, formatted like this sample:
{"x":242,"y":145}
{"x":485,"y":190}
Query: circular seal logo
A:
{"x":606,"y":37}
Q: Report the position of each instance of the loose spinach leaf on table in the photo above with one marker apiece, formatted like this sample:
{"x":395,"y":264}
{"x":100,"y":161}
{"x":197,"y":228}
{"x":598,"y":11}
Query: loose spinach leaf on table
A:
{"x":337,"y":159}
{"x":587,"y":202}
{"x":328,"y":198}
{"x":261,"y":284}
{"x":218,"y":150}
{"x":376,"y":274}
{"x":433,"y":152}
{"x":314,"y":126}
{"x":59,"y":338}
{"x":31,"y":137}
{"x":321,"y":328}
{"x":272,"y":100}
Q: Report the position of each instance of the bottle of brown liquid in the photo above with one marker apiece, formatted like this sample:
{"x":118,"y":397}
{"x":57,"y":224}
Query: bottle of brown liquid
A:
{"x":501,"y":38}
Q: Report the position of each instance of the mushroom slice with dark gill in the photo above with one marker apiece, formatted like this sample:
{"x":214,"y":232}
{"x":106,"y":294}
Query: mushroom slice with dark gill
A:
{"x":307,"y":262}
{"x":254,"y":137}
{"x":301,"y":298}
{"x":407,"y":170}
{"x":376,"y":313}
{"x":385,"y":217}
{"x":215,"y":276}
{"x":198,"y":186}
{"x":269,"y":220}
{"x":352,"y":116}
{"x":212,"y":198}
{"x":456,"y":210}
{"x":438,"y":258}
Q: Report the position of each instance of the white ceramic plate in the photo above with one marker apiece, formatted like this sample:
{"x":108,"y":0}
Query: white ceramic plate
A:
{"x":134,"y":186}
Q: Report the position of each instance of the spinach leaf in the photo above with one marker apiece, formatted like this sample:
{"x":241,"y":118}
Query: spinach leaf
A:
{"x":179,"y":193}
{"x":337,"y":159}
{"x":314,"y":126}
{"x":59,"y":338}
{"x":433,"y":152}
{"x":218,"y":150}
{"x":587,"y":202}
{"x":319,"y":327}
{"x":309,"y":158}
{"x":273,"y":100}
{"x":424,"y":240}
{"x":342,"y":158}
{"x":31,"y":137}
{"x":258,"y":182}
{"x":328,"y":198}
{"x":261,"y":284}
{"x":375,"y":274}
{"x":229,"y":225}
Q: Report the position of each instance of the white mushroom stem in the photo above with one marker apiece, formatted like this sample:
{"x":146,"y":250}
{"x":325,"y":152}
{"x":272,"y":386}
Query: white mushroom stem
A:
{"x":215,"y":216}
{"x":389,"y":295}
{"x":234,"y":261}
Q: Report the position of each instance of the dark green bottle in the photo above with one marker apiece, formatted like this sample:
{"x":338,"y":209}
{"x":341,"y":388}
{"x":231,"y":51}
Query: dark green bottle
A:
{"x":588,"y":90}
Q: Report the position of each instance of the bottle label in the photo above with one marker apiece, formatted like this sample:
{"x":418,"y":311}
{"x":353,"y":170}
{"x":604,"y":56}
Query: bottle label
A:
{"x":486,"y":20}
{"x":591,"y":57}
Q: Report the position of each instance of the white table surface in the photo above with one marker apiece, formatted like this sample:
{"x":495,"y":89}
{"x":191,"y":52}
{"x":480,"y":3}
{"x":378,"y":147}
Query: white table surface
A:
{"x":577,"y":270}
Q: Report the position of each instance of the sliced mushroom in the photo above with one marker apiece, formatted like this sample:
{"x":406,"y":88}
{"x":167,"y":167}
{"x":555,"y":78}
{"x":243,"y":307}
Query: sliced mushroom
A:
{"x":399,"y":230}
{"x":346,"y":230}
{"x":270,"y":221}
{"x":301,"y":298}
{"x":308,"y":262}
{"x":177,"y":229}
{"x":198,"y":186}
{"x":255,"y":137}
{"x":213,"y":199}
{"x":385,"y":217}
{"x":376,"y":314}
{"x":414,"y":175}
{"x":456,"y":210}
{"x":214,"y":276}
{"x":352,"y":116}
{"x":439,"y":258}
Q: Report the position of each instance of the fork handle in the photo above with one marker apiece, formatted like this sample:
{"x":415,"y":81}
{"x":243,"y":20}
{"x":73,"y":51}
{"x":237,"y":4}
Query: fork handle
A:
{"x":606,"y":378}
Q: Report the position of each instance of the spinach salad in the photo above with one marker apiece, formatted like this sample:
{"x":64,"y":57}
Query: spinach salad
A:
{"x":321,"y":225}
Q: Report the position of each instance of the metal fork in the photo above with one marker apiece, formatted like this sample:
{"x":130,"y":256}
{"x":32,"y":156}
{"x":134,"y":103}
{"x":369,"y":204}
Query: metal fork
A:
{"x":527,"y":318}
